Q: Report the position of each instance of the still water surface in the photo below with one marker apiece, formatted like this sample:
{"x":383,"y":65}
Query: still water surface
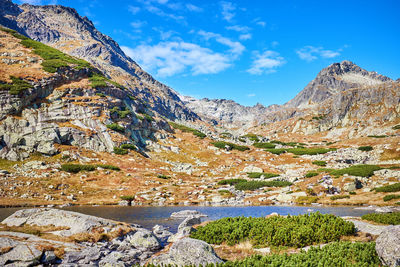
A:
{"x":150,"y":216}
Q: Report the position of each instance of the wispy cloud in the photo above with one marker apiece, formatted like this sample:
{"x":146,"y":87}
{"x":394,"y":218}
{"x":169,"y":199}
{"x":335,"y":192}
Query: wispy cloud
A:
{"x":310,"y":53}
{"x":133,"y":9}
{"x":251,"y":95}
{"x":151,"y":6}
{"x":228,"y":10}
{"x":238,"y":28}
{"x":236,"y":48}
{"x":266,"y":62}
{"x":193,"y":8}
{"x":138,"y":24}
{"x":246,"y":36}
{"x":170,"y":58}
{"x":31,"y":2}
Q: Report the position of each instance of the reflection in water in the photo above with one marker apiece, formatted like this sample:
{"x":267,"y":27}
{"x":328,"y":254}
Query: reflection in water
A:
{"x":150,"y":216}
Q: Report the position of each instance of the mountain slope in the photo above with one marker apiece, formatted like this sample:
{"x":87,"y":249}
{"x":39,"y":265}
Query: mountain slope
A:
{"x":63,"y":28}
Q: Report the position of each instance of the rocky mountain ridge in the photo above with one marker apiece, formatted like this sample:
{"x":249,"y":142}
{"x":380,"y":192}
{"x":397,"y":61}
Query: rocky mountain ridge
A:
{"x":63,"y":28}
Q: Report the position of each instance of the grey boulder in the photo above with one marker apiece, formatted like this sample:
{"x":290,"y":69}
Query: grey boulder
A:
{"x":388,"y":246}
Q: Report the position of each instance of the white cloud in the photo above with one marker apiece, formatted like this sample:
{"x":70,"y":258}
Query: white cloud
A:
{"x":251,"y":95}
{"x":274,"y":44}
{"x":236,"y":48}
{"x":150,"y":7}
{"x":133,"y":9}
{"x":310,"y":53}
{"x":228,"y":10}
{"x":246,"y":36}
{"x":266,"y":62}
{"x":31,"y":2}
{"x":238,"y":28}
{"x":170,"y":58}
{"x":193,"y":8}
{"x":261,"y":23}
{"x":138,"y":24}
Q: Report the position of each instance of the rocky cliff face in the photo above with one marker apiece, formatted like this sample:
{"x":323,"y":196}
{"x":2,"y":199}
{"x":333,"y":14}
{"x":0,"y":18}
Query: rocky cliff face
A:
{"x":334,"y":79}
{"x":63,"y":28}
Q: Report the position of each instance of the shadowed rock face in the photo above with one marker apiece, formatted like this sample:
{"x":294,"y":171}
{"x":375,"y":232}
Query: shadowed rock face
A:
{"x":63,"y":28}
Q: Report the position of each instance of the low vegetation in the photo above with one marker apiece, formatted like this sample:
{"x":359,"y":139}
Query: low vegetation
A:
{"x":311,"y":174}
{"x":362,"y":170}
{"x":231,"y":181}
{"x":385,"y":218}
{"x":319,"y":163}
{"x":75,"y":168}
{"x":259,"y":174}
{"x":334,"y":254}
{"x":253,"y":185}
{"x":98,"y":80}
{"x":339,"y":197}
{"x":128,"y":146}
{"x":251,"y":137}
{"x":276,"y":151}
{"x":186,"y":129}
{"x":396,"y":127}
{"x":223,"y":145}
{"x":390,"y":197}
{"x":121,"y":112}
{"x":307,"y":199}
{"x":389,"y":188}
{"x":16,"y":86}
{"x":300,"y":150}
{"x":116,"y":127}
{"x":127,"y":198}
{"x":264,"y":145}
{"x":378,"y":136}
{"x":365,"y":148}
{"x":163,"y":176}
{"x":120,"y":151}
{"x":291,"y":231}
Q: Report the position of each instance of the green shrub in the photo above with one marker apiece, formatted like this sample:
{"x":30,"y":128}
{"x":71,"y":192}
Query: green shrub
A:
{"x":120,"y":151}
{"x":231,"y":181}
{"x":397,"y":127}
{"x":101,"y":94}
{"x":377,"y":136}
{"x":116,"y":127}
{"x":16,"y":86}
{"x":276,"y":151}
{"x":253,"y":185}
{"x":390,"y":197}
{"x":186,"y":129}
{"x":259,"y":174}
{"x":291,"y":231}
{"x":222,"y":144}
{"x":75,"y":168}
{"x":333,"y":254}
{"x":307,"y":199}
{"x":385,"y":218}
{"x":264,"y":145}
{"x":311,"y":174}
{"x":365,"y":148}
{"x":352,"y":193}
{"x":339,"y":197}
{"x":319,"y":163}
{"x":128,"y":146}
{"x":251,"y":137}
{"x":310,"y":151}
{"x":122,"y":112}
{"x":163,"y":176}
{"x":108,"y":167}
{"x":98,"y":80}
{"x":362,"y":170}
{"x":389,"y":188}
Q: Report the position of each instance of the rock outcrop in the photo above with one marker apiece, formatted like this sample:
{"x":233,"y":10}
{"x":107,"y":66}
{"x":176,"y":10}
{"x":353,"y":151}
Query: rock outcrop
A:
{"x":388,"y":246}
{"x":188,"y":252}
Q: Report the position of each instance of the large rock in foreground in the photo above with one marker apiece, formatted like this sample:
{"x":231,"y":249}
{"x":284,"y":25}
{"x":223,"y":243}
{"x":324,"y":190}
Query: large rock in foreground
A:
{"x":73,"y":222}
{"x":388,"y":246}
{"x":188,"y":252}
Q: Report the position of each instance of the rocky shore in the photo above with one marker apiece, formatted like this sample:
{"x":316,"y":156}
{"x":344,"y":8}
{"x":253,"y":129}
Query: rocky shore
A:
{"x":53,"y":237}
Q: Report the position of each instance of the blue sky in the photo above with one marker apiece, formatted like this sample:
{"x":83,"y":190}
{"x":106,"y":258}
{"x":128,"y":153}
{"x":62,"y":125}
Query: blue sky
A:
{"x":249,"y":51}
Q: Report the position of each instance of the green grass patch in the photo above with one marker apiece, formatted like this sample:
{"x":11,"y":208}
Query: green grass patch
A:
{"x":319,"y":163}
{"x":301,"y":150}
{"x":122,"y":112}
{"x":127,"y":198}
{"x":253,"y":185}
{"x":259,"y":174}
{"x":377,"y":136}
{"x":223,"y":145}
{"x":389,"y":188}
{"x":163,"y":176}
{"x":290,"y":231}
{"x":339,"y":197}
{"x":311,"y":174}
{"x":231,"y":181}
{"x":101,"y":94}
{"x":307,"y":199}
{"x":16,"y":86}
{"x":264,"y":145}
{"x":385,"y":218}
{"x":116,"y":127}
{"x":186,"y":129}
{"x":75,"y":168}
{"x":128,"y":146}
{"x":365,"y":148}
{"x":251,"y":137}
{"x":397,"y":127}
{"x":362,"y":170}
{"x":276,"y":151}
{"x":120,"y":151}
{"x":390,"y":197}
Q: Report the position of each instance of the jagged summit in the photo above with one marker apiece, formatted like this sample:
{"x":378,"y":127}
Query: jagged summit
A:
{"x":333,"y":79}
